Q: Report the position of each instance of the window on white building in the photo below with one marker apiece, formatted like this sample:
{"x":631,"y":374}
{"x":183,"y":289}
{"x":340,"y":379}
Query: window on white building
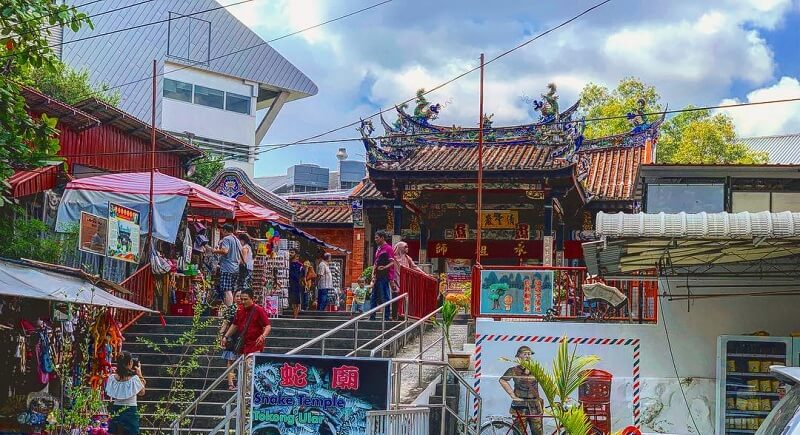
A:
{"x":176,"y":90}
{"x":209,"y":97}
{"x":691,"y":198}
{"x":237,"y":103}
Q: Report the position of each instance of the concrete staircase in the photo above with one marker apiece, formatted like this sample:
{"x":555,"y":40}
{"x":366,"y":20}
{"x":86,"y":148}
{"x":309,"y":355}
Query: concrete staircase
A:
{"x":286,"y":335}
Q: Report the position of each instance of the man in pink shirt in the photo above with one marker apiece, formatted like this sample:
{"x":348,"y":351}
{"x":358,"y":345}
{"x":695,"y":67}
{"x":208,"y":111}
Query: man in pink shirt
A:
{"x":383,"y":271}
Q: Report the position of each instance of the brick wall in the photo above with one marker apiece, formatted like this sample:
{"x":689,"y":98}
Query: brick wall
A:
{"x":345,"y":238}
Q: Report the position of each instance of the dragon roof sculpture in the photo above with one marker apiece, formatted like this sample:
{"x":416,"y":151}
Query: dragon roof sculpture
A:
{"x":555,"y":141}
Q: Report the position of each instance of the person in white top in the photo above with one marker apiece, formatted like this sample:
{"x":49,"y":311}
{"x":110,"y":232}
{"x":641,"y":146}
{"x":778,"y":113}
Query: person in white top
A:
{"x":325,"y":283}
{"x":124,"y":387}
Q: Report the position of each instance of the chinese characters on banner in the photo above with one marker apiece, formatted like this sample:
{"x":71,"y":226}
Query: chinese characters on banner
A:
{"x":499,"y":219}
{"x":123,"y":233}
{"x":547,"y":249}
{"x":523,"y":232}
{"x":313,"y":394}
{"x":92,"y":234}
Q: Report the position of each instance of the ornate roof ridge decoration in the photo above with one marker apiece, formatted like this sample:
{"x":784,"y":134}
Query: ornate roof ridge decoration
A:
{"x":234,"y":182}
{"x":557,"y":131}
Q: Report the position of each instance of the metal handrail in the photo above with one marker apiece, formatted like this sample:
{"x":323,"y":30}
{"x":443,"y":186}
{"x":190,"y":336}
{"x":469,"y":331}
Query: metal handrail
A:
{"x":469,"y":390}
{"x":403,"y":333}
{"x":354,"y":320}
{"x":176,"y":423}
{"x":377,"y":338}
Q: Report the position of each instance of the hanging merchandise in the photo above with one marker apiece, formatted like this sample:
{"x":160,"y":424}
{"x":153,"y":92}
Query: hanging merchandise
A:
{"x":106,"y":341}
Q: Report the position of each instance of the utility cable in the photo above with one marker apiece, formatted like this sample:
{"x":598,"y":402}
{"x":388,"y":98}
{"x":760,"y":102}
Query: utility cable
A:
{"x":138,"y":26}
{"x":418,"y":135}
{"x":604,"y":118}
{"x":441,"y":85}
{"x":672,"y":357}
{"x":261,"y":44}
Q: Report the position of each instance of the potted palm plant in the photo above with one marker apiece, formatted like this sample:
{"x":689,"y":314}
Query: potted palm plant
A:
{"x":569,"y":372}
{"x":459,"y":361}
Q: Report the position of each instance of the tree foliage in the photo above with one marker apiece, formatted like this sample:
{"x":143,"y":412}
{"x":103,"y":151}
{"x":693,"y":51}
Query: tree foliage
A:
{"x":24,"y":141}
{"x":688,"y":137}
{"x":66,"y":84}
{"x":600,"y":102}
{"x":702,"y":138}
{"x":206,"y":168}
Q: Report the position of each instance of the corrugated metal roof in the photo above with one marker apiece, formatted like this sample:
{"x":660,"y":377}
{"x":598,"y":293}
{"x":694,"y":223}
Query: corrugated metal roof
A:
{"x":127,"y":56}
{"x":742,"y":225}
{"x":272,"y":183}
{"x":782,"y":149}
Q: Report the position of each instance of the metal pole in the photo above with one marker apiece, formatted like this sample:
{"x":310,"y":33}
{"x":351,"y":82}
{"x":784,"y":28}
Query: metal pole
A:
{"x":421,"y":351}
{"x":355,"y":337}
{"x":323,"y":347}
{"x":397,"y":386}
{"x":444,"y":394}
{"x":480,"y":174}
{"x":151,"y":207}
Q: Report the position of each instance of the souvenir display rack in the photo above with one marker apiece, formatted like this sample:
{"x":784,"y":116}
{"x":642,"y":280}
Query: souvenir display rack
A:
{"x":747,"y":391}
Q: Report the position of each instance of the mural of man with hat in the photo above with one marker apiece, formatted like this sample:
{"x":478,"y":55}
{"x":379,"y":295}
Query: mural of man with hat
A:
{"x":525,"y":400}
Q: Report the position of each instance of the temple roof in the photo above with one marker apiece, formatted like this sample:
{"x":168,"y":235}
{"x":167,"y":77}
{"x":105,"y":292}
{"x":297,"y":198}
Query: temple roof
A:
{"x":413,"y":147}
{"x":322,"y":212}
{"x":233,"y":183}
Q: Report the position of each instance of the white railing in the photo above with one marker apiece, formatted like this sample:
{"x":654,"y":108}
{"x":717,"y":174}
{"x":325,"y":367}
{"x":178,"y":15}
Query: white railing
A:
{"x":410,"y":421}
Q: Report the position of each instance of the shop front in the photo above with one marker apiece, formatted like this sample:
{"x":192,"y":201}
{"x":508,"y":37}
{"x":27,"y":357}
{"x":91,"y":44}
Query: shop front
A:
{"x":726,"y":311}
{"x":58,"y":339}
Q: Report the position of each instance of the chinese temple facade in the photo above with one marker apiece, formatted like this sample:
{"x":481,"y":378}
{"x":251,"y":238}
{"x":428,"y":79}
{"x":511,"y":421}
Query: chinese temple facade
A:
{"x":543,"y":183}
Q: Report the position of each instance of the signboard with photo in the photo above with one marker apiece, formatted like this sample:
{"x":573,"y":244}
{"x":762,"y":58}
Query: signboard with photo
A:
{"x":516,"y":292}
{"x":92,"y":234}
{"x":295,"y":395}
{"x":123,"y":233}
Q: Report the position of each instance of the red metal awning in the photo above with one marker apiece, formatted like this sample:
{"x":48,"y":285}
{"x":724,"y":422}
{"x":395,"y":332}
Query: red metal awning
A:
{"x":24,"y":183}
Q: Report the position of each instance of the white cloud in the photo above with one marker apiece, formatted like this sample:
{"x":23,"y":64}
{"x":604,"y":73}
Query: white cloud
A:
{"x":713,"y":48}
{"x":768,"y":119}
{"x":692,"y":51}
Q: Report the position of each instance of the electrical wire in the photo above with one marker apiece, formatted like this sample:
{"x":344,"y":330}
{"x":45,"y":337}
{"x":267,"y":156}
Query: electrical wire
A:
{"x":417,"y":135}
{"x":674,"y":364}
{"x":441,"y":85}
{"x":97,"y":14}
{"x":261,"y":44}
{"x":604,"y":118}
{"x":138,"y":26}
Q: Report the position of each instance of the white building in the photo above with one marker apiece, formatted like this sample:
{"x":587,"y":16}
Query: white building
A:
{"x":218,"y":83}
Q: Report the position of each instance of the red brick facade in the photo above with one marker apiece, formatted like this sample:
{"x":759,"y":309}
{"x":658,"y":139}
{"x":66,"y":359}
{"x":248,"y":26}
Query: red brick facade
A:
{"x":345,"y":238}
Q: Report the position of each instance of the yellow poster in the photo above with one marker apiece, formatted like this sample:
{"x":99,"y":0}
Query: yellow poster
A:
{"x":499,"y":219}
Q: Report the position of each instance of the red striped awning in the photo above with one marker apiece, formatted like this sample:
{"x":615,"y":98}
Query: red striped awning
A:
{"x":24,"y":183}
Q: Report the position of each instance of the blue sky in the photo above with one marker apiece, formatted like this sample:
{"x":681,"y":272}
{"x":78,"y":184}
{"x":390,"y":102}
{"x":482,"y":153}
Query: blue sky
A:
{"x":699,"y":52}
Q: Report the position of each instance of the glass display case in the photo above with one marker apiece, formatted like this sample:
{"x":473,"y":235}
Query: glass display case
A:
{"x":746,"y":390}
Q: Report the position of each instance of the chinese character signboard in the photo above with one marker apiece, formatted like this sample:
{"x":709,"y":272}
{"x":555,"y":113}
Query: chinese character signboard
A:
{"x":547,"y":244}
{"x":92,"y":234}
{"x":499,"y":219}
{"x":516,"y":292}
{"x":123,"y":233}
{"x":461,"y":232}
{"x":295,"y":395}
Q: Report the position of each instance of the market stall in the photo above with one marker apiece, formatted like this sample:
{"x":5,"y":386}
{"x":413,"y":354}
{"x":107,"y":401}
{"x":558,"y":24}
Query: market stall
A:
{"x":58,"y":338}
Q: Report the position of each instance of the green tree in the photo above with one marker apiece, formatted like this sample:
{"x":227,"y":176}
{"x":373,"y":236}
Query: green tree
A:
{"x":688,"y":137}
{"x":24,"y":141}
{"x":700,"y":137}
{"x":206,"y":168}
{"x":66,"y":85}
{"x":600,"y":102}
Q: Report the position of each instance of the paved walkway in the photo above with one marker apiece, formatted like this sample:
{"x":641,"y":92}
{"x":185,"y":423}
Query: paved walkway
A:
{"x":409,"y":381}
